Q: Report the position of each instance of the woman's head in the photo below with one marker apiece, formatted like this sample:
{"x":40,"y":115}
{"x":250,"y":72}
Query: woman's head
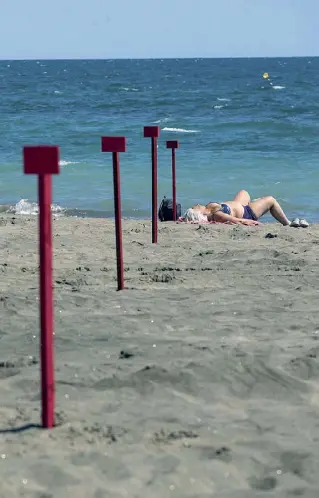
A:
{"x":200,"y":213}
{"x":195,"y":215}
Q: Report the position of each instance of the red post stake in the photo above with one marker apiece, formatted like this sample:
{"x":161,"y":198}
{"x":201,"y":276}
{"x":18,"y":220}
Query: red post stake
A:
{"x":116,"y":145}
{"x":44,"y":162}
{"x":173,"y":144}
{"x":153,"y":132}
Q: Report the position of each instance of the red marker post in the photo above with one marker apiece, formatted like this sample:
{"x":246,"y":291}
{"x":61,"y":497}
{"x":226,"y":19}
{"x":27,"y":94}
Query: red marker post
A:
{"x":116,"y":145}
{"x":44,"y":162}
{"x":153,"y":132}
{"x":173,"y":144}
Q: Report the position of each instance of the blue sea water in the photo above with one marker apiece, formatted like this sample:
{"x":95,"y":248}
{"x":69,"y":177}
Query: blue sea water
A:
{"x":236,"y":130}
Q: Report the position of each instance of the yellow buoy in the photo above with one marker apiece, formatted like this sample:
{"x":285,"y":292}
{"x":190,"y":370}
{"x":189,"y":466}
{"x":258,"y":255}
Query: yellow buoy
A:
{"x":266,"y":76}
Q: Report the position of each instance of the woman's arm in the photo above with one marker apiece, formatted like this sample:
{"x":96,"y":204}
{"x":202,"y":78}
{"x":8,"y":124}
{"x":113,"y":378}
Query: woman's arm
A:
{"x":227,"y":218}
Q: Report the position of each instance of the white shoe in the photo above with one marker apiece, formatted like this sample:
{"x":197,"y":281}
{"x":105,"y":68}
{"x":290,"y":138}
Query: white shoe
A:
{"x":295,"y":223}
{"x":303,"y":223}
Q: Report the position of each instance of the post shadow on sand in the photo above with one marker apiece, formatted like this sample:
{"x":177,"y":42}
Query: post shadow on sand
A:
{"x":21,"y":428}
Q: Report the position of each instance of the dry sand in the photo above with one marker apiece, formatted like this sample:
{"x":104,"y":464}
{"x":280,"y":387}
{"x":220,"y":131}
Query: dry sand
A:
{"x":199,"y":380}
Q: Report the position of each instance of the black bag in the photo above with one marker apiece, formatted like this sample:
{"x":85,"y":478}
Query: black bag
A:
{"x":165,"y":211}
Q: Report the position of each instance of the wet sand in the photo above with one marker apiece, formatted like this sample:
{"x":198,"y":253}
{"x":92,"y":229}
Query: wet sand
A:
{"x":199,"y":380}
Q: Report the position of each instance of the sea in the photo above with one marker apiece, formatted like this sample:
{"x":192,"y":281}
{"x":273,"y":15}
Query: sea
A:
{"x":237,"y":128}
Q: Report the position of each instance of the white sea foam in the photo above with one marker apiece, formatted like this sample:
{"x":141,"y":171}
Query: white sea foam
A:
{"x":164,"y":120}
{"x":57,"y":92}
{"x":126,"y":89}
{"x":25,"y":207}
{"x":179,"y":130}
{"x":223,"y":100}
{"x":219,"y":106}
{"x":278,"y":87}
{"x":66,"y":163}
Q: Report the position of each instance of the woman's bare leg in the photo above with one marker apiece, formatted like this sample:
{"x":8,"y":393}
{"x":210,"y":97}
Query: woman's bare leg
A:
{"x":264,"y":204}
{"x":243,"y":197}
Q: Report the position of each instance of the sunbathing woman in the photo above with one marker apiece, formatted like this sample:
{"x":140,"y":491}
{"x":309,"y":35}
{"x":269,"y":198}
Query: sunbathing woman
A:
{"x":241,"y":211}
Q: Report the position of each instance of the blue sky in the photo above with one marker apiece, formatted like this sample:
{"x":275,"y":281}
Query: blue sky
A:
{"x":33,"y":29}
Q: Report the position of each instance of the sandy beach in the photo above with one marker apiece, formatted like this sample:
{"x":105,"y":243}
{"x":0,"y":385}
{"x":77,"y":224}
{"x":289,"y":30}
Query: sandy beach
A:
{"x":198,"y":380}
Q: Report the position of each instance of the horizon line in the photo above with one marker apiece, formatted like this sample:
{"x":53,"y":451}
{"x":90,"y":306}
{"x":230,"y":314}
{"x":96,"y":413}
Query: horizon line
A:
{"x":158,"y":58}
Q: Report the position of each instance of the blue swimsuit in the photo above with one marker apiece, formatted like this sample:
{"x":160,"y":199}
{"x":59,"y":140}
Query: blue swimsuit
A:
{"x":225,"y":209}
{"x":248,"y":212}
